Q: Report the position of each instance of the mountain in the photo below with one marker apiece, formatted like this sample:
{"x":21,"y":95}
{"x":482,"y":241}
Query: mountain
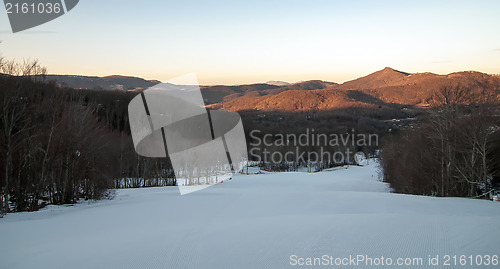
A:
{"x":123,"y":83}
{"x":278,"y":83}
{"x":382,"y":88}
{"x":222,"y":94}
{"x":291,"y":100}
{"x":378,"y":79}
{"x":393,"y":86}
{"x":299,"y":96}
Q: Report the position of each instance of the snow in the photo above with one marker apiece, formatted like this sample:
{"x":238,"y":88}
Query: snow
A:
{"x":254,"y":221}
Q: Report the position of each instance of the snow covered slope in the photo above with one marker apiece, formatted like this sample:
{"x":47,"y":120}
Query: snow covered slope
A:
{"x":272,"y":220}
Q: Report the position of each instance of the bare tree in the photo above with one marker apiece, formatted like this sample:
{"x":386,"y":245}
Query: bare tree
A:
{"x":452,"y":152}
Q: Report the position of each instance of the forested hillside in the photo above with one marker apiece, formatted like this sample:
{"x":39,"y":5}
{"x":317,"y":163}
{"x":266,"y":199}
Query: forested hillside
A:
{"x":60,"y":145}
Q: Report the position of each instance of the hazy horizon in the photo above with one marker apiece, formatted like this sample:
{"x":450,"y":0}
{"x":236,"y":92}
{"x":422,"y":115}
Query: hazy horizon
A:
{"x":230,"y":43}
{"x":275,"y":80}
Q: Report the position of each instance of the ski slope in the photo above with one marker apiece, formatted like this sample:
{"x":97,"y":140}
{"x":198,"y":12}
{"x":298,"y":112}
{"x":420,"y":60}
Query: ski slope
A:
{"x":271,"y":220}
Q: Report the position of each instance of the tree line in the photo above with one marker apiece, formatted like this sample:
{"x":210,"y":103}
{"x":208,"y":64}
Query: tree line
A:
{"x":60,"y":145}
{"x":453,"y":152}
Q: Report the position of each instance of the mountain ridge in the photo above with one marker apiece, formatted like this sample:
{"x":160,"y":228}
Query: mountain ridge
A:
{"x":112,"y":82}
{"x":383,"y":87}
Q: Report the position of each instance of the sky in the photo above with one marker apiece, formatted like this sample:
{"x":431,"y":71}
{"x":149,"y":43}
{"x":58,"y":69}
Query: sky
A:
{"x":238,"y":42}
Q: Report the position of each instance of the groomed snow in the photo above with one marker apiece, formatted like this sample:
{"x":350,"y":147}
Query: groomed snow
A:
{"x":255,"y":221}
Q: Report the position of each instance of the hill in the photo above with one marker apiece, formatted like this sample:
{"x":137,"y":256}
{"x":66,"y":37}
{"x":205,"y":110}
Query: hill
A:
{"x":386,"y":87}
{"x":278,"y":83}
{"x":123,"y":83}
{"x":222,"y":94}
{"x":384,"y":77}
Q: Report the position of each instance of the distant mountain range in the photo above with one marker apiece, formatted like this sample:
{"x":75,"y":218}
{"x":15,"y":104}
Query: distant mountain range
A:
{"x":123,"y":83}
{"x":278,"y":83}
{"x":381,"y":88}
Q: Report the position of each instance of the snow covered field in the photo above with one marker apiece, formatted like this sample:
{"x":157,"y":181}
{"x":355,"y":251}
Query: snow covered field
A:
{"x":272,"y":220}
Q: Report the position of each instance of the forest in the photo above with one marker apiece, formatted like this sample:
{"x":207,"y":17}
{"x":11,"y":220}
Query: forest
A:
{"x":60,"y":145}
{"x":453,"y":151}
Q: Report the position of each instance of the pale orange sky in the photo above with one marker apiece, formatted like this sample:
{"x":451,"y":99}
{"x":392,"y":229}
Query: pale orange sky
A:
{"x":235,"y":42}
